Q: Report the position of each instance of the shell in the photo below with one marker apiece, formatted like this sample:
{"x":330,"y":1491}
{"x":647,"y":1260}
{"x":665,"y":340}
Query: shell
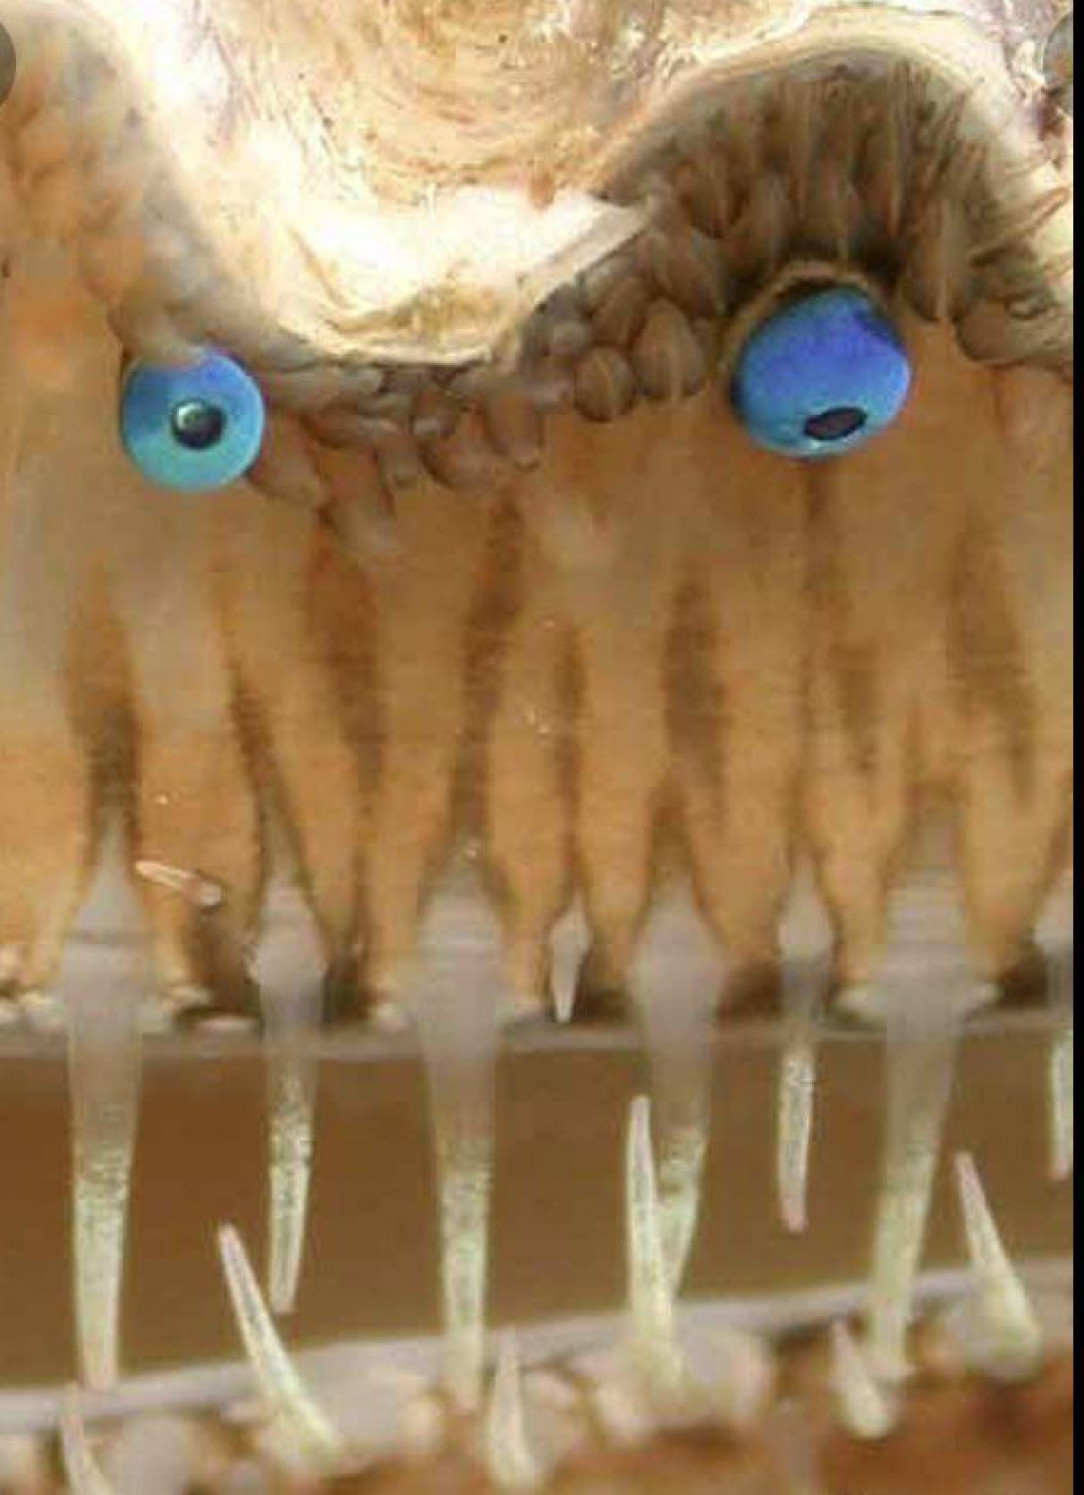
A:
{"x":405,"y":208}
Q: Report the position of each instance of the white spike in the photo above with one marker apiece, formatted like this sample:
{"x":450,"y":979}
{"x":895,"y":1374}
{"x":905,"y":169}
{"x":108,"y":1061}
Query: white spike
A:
{"x":1060,"y":1061}
{"x":797,"y":1093}
{"x":928,"y":987}
{"x":569,"y":944}
{"x":677,"y":978}
{"x":1054,"y":934}
{"x":1012,"y":1338}
{"x":104,"y":1074}
{"x":104,"y":1062}
{"x":651,"y":1303}
{"x":81,"y":1470}
{"x":291,"y":1083}
{"x":290,"y":998}
{"x":281,"y":1388}
{"x":564,"y":1002}
{"x":510,"y":1459}
{"x":921,"y":1057}
{"x":806,"y":938}
{"x":1061,"y":1102}
{"x":865,"y":1406}
{"x":465,"y":1165}
{"x":456,"y":999}
{"x":680,"y":1181}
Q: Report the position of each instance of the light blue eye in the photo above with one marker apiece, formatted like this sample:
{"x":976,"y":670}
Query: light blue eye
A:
{"x":192,"y":429}
{"x":821,"y":375}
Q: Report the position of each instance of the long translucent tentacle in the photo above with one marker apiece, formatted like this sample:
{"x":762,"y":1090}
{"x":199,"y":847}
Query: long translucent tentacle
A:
{"x":281,"y":1387}
{"x":921,"y":1060}
{"x":80,"y":1466}
{"x":651,"y":1304}
{"x":865,"y":1406}
{"x":456,"y":1000}
{"x":1055,"y":937}
{"x":806,"y":941}
{"x":923,"y":1004}
{"x":678,"y":976}
{"x":1011,"y":1337}
{"x":509,"y":1455}
{"x":293,"y":1009}
{"x":104,"y":1069}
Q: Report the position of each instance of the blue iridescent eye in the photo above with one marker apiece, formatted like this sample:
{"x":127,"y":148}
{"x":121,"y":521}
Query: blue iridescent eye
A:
{"x":822,"y":375}
{"x":193,"y":429}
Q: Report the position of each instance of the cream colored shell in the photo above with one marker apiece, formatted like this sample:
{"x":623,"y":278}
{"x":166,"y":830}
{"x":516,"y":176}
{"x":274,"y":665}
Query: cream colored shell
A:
{"x":406,"y":179}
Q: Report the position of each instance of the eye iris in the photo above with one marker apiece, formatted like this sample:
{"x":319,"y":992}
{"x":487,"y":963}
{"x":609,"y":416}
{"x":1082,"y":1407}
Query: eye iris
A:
{"x":835,"y":425}
{"x":193,"y":429}
{"x":198,"y":425}
{"x":822,"y":375}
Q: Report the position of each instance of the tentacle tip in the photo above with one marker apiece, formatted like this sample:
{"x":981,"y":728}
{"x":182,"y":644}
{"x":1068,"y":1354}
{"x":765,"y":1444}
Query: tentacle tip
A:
{"x":795,"y":1218}
{"x":84,"y":1477}
{"x":511,"y":1459}
{"x":866,"y":1407}
{"x":1001,"y":1331}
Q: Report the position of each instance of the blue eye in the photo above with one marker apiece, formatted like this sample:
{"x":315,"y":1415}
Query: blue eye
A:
{"x":193,"y":429}
{"x":822,"y":375}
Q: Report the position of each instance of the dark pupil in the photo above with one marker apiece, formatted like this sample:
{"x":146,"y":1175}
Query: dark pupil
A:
{"x":834,"y":425}
{"x":198,"y":425}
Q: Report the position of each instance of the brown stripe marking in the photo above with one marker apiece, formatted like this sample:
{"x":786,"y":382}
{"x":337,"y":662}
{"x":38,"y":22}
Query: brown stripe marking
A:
{"x":738,"y":752}
{"x":528,"y":810}
{"x":47,"y":542}
{"x":914,"y":600}
{"x":1014,"y":663}
{"x":195,"y":800}
{"x":303,"y":752}
{"x":886,"y":528}
{"x":423,"y":599}
{"x":621,"y":614}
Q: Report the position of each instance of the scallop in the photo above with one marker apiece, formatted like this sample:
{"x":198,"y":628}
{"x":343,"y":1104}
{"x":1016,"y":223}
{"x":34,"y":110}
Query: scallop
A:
{"x":542,"y":874}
